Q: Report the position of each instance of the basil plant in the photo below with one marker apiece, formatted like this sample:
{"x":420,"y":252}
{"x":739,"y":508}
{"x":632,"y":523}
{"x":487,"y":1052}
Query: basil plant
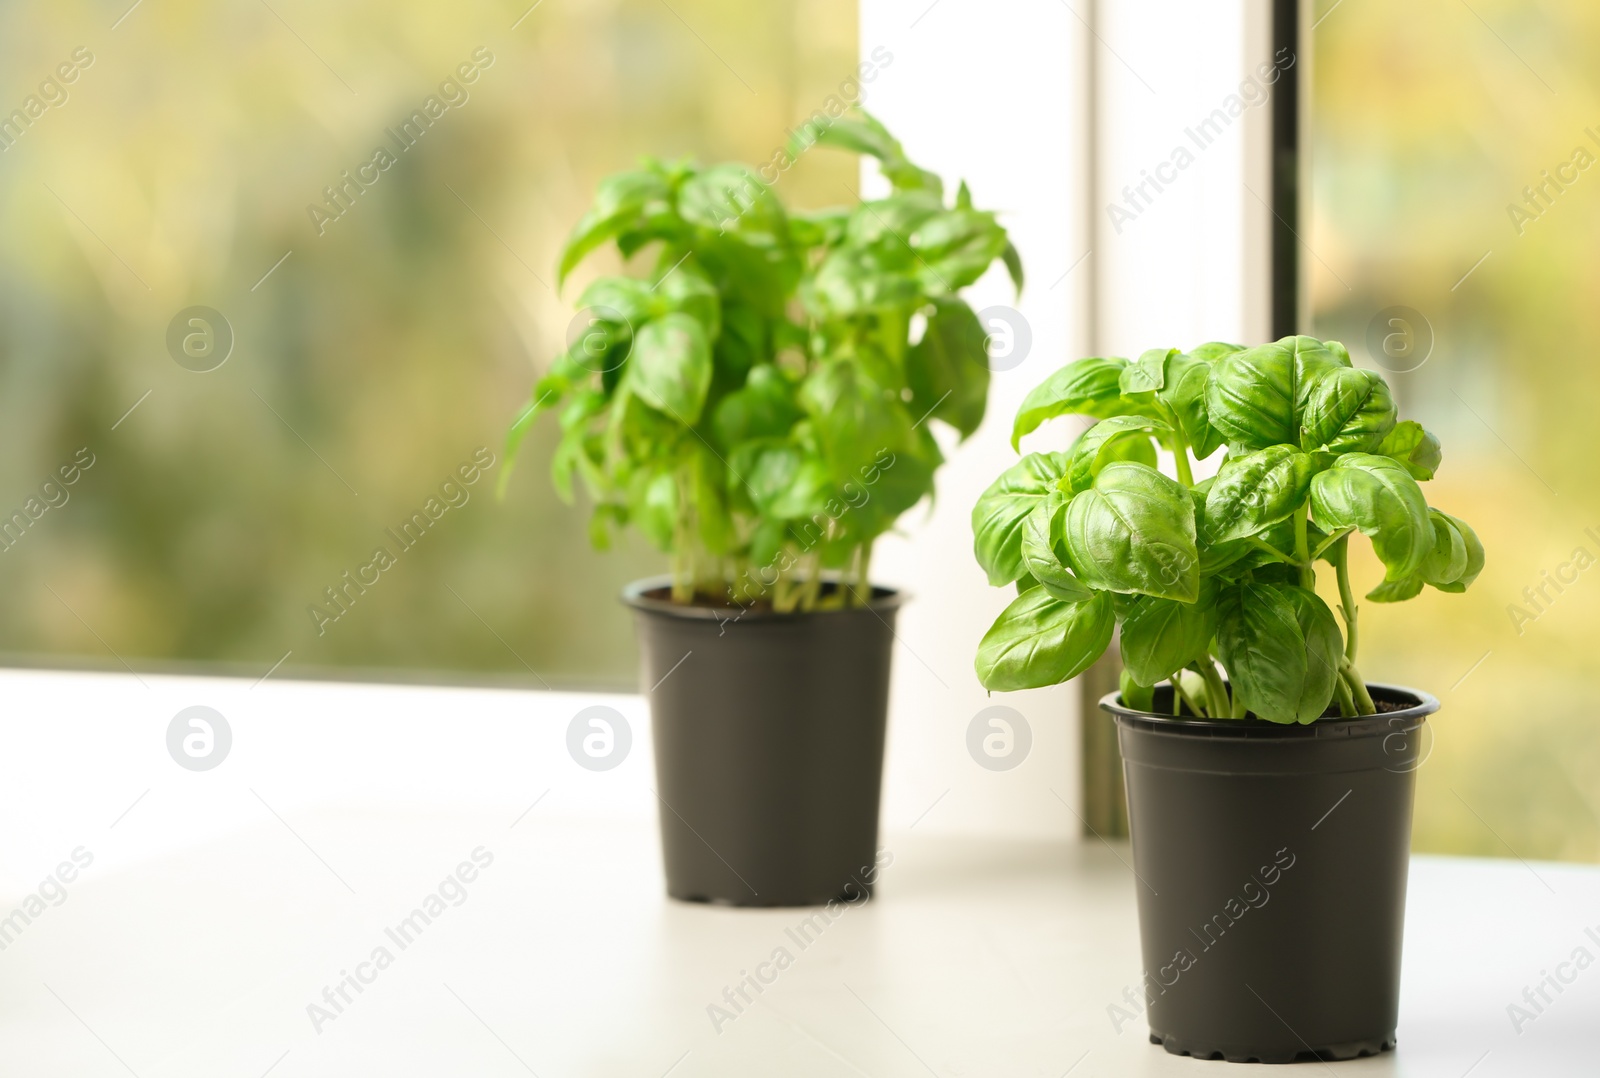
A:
{"x":757,"y":403}
{"x":1224,"y":571}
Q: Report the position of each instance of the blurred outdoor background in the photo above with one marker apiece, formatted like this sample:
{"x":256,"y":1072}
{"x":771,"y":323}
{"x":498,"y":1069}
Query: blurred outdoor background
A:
{"x":384,"y":349}
{"x":1429,"y":120}
{"x":373,"y":357}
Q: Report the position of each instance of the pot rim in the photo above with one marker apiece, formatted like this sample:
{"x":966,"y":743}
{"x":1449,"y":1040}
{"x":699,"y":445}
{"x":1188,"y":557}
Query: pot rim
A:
{"x":1385,"y":722}
{"x":634,"y":594}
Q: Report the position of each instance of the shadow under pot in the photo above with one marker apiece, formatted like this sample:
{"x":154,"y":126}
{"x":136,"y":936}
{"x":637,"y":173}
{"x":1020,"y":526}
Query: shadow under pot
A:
{"x":1271,"y":867}
{"x":769,"y":733}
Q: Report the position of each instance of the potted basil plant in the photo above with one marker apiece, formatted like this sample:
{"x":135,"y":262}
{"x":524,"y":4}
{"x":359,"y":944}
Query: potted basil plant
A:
{"x":757,"y":404}
{"x":1269,"y":784}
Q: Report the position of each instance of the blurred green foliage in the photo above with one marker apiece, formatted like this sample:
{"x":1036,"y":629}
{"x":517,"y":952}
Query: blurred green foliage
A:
{"x":179,"y":166}
{"x":1430,"y":119}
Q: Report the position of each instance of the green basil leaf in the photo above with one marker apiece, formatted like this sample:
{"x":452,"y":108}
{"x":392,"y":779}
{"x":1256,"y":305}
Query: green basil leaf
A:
{"x":766,"y":543}
{"x":868,"y":136}
{"x":1212,"y":351}
{"x":782,"y":480}
{"x":1253,"y":397}
{"x":1413,"y":447}
{"x":902,"y":482}
{"x":604,"y":516}
{"x":955,"y":247}
{"x":1345,"y":410}
{"x":1041,"y":640}
{"x":889,"y":221}
{"x":1148,"y":373}
{"x":851,"y":281}
{"x":1184,"y":391}
{"x":707,"y":490}
{"x":573,"y":451}
{"x":762,"y":278}
{"x":1280,"y":537}
{"x":1475,"y":556}
{"x":1133,"y":449}
{"x":948,"y":370}
{"x":638,"y":435}
{"x":1324,"y":648}
{"x":731,"y":199}
{"x":1447,"y":558}
{"x":1107,"y":441}
{"x":653,"y":506}
{"x":1217,"y":557}
{"x":1396,"y":591}
{"x":1086,"y":387}
{"x":1042,"y":553}
{"x":819,"y":228}
{"x":586,"y":403}
{"x":1135,"y":696}
{"x":762,"y":408}
{"x":627,"y":296}
{"x":571,"y":457}
{"x":1453,"y":562}
{"x":853,"y":417}
{"x":1162,"y":636}
{"x":1013,"y":262}
{"x":1253,"y":492}
{"x":1281,"y":647}
{"x":619,"y":202}
{"x":742,"y":344}
{"x":564,"y":374}
{"x":857,"y":136}
{"x":686,"y":288}
{"x":806,"y":495}
{"x":670,"y":367}
{"x":1133,"y":531}
{"x":1377,"y":496}
{"x":998,"y":517}
{"x":601,"y":346}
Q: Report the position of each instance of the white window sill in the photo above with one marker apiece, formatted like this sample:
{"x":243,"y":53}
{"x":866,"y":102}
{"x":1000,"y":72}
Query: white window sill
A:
{"x":223,"y":903}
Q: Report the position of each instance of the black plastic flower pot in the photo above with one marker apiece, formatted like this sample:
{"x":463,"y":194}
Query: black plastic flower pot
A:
{"x":769,"y":732}
{"x":1271,"y":868}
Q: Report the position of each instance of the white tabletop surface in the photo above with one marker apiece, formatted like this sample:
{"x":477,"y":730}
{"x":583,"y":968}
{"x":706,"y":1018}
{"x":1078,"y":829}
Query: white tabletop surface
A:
{"x":219,"y":905}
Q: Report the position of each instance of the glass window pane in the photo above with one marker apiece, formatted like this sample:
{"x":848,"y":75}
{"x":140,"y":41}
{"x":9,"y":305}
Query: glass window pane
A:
{"x":356,"y":212}
{"x":1454,"y":232}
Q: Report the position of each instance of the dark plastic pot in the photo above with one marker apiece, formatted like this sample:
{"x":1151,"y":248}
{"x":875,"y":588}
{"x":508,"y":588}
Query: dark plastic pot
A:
{"x":769,"y":732}
{"x":1271,"y":873}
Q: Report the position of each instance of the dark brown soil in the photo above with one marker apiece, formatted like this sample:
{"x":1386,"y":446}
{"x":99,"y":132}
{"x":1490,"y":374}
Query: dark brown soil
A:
{"x":706,"y":599}
{"x":723,"y":602}
{"x":1383,"y":706}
